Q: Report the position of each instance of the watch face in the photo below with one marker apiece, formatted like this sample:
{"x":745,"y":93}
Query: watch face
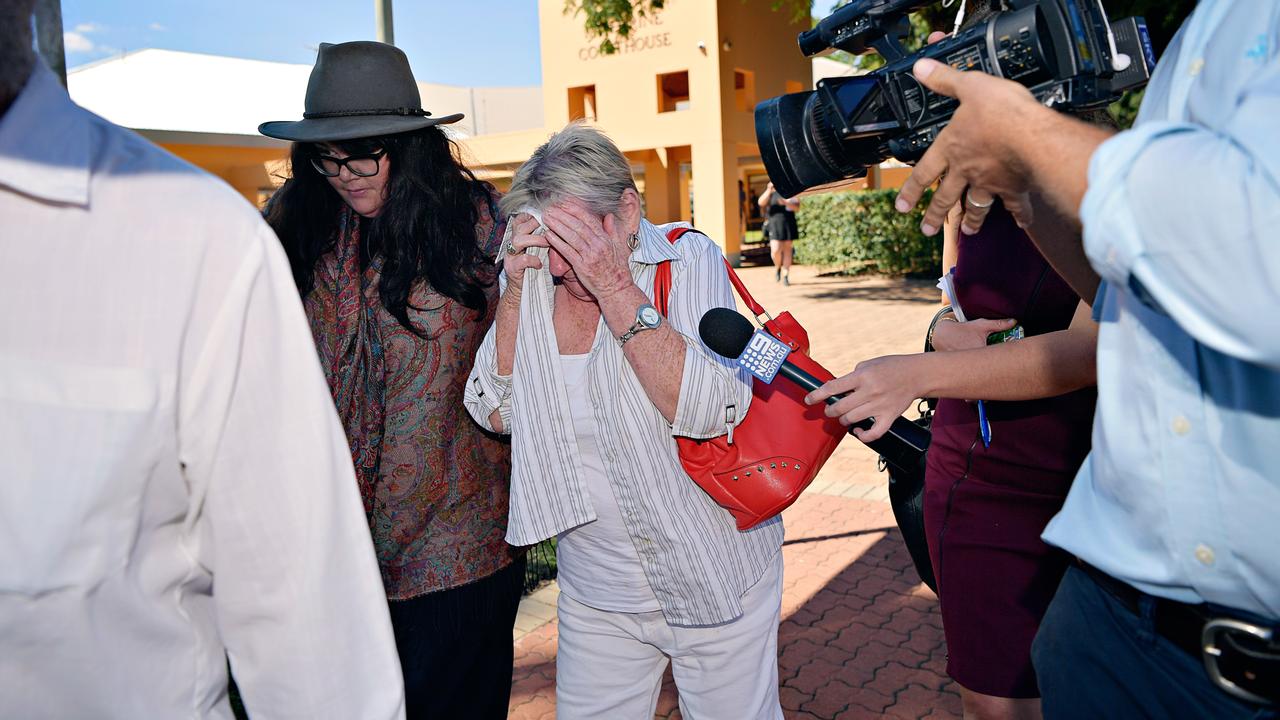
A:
{"x":649,"y":316}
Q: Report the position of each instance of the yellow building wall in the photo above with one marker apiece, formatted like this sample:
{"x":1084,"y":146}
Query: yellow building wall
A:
{"x":760,"y":44}
{"x":688,"y":162}
{"x":892,"y":177}
{"x":712,"y":139}
{"x":243,"y":168}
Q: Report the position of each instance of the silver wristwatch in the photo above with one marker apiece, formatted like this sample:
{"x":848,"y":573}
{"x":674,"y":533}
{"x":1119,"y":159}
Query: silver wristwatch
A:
{"x":647,"y":318}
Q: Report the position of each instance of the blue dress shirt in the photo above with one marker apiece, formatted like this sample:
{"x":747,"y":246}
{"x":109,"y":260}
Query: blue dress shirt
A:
{"x":1181,"y":495}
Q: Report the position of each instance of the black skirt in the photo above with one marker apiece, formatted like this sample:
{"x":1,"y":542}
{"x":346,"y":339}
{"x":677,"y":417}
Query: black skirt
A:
{"x":781,"y":225}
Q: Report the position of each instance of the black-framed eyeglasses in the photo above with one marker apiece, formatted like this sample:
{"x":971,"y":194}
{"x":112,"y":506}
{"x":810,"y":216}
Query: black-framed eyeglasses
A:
{"x":360,"y":165}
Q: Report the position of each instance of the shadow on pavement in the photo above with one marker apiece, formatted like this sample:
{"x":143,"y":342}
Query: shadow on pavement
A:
{"x":839,"y":536}
{"x":869,"y":644}
{"x":911,"y":291}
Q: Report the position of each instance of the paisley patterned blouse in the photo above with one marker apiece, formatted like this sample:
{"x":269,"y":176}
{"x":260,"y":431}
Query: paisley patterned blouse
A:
{"x":434,"y":483}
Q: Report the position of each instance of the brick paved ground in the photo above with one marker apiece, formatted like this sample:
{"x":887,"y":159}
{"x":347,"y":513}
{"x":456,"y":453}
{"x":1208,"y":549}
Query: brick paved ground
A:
{"x":860,"y":636}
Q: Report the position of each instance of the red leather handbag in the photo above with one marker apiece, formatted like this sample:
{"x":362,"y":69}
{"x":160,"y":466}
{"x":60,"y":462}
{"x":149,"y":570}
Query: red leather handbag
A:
{"x":762,"y":466}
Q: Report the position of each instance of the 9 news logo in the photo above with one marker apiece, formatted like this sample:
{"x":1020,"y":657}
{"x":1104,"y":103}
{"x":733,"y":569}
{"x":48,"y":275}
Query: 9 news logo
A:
{"x":764,"y":356}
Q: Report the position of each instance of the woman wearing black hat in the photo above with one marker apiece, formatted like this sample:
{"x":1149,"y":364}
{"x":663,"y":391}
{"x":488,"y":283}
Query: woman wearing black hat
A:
{"x":392,"y":242}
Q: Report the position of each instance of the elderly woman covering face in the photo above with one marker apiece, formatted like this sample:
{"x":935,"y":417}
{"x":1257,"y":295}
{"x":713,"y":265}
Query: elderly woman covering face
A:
{"x":593,"y":385}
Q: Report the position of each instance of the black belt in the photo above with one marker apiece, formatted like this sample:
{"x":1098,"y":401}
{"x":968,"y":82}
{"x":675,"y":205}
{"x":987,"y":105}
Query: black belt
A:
{"x":1241,"y":656}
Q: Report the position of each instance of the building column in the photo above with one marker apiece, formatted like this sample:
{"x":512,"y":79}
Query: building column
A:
{"x":661,"y":187}
{"x":715,"y":197}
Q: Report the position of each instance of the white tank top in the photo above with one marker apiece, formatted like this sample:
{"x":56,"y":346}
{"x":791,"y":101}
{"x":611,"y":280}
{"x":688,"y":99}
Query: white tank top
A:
{"x":596,"y":562}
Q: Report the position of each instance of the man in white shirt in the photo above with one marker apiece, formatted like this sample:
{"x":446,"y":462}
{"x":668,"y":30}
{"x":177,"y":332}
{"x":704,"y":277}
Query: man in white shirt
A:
{"x":175,"y":489}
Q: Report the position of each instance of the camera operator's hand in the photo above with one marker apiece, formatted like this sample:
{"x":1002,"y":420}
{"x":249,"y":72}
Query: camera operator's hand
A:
{"x":977,"y":203}
{"x":1001,"y":141}
{"x":882,"y":388}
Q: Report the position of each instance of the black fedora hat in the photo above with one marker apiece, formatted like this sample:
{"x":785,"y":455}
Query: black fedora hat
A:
{"x":358,"y":89}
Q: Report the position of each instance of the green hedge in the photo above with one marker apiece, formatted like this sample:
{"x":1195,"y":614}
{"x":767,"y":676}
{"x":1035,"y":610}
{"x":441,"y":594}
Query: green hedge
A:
{"x":861,"y":232}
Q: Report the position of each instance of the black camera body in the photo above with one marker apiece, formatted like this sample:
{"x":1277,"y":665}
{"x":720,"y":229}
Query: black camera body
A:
{"x":1065,"y":51}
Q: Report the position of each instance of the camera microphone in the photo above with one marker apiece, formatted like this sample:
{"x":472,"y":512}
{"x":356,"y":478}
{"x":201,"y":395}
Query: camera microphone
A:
{"x":727,"y":333}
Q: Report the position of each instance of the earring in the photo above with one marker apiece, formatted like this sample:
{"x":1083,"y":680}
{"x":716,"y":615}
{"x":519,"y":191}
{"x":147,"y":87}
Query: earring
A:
{"x":633,"y":242}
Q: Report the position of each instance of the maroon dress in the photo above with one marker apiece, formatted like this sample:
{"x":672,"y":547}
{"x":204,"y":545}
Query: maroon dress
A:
{"x":986,"y":507}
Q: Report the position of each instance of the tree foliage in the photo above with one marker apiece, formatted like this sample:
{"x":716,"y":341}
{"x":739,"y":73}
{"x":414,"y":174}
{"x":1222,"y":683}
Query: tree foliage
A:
{"x":861,"y":232}
{"x":1164,"y":17}
{"x":611,"y":20}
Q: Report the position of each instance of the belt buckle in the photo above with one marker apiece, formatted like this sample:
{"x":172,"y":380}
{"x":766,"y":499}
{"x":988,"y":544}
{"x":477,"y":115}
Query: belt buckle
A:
{"x":1217,"y":628}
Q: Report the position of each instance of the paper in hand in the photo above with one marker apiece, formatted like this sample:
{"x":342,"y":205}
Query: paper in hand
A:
{"x":947,"y":284}
{"x":536,"y":214}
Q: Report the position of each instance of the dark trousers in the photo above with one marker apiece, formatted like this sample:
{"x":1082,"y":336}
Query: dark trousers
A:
{"x":1096,"y":659}
{"x":456,"y":650}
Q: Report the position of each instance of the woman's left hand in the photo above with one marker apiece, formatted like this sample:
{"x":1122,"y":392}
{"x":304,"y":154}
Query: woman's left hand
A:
{"x":881,"y":388}
{"x":596,"y":249}
{"x":951,"y":334}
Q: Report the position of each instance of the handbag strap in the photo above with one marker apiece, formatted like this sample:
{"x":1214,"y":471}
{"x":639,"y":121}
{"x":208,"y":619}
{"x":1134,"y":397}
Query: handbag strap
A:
{"x":662,"y":280}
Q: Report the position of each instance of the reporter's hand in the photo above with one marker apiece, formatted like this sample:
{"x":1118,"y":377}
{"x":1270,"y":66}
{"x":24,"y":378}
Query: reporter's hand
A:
{"x":514,"y":264}
{"x":882,"y":388}
{"x":949,"y":335}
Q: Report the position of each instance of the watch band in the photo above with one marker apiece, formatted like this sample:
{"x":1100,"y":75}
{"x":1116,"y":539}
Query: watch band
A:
{"x":640,"y":325}
{"x":635,"y":329}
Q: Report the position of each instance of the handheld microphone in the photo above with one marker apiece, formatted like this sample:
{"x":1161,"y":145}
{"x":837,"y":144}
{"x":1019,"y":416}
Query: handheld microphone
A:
{"x":727,"y":333}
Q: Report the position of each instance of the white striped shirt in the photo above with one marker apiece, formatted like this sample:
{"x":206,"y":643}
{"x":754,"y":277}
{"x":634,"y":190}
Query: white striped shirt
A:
{"x":697,"y":562}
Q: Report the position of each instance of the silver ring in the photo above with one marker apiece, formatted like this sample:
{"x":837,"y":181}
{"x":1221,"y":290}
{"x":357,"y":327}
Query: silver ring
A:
{"x":968,"y":198}
{"x":511,"y":248}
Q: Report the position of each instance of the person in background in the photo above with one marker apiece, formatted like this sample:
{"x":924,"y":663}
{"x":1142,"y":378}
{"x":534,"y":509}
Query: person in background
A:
{"x":1173,"y":606}
{"x":593,"y":385}
{"x":781,"y":229}
{"x":175,"y":488}
{"x":392,"y":242}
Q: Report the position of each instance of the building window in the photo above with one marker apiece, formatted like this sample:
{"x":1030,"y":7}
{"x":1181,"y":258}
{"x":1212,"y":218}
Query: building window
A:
{"x":582,"y":103}
{"x":744,"y":90}
{"x":795,"y":86}
{"x":673,"y":91}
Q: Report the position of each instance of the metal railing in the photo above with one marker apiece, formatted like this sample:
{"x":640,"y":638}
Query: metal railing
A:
{"x":540,"y":565}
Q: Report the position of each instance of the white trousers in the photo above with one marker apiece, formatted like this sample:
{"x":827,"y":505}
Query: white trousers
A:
{"x":610,"y":664}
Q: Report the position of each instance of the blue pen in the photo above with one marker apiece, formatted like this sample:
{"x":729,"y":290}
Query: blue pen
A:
{"x":947,"y":284}
{"x":983,"y":426}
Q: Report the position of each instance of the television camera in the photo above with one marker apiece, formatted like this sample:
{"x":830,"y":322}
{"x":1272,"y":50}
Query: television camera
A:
{"x":1066,"y":52}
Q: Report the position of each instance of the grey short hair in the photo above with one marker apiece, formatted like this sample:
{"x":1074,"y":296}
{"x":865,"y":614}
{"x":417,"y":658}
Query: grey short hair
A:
{"x":578,"y":162}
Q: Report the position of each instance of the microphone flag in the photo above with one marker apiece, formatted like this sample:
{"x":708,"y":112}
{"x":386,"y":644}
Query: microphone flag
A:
{"x":764,"y":355}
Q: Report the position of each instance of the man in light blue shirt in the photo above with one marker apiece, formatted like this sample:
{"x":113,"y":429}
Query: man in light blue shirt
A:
{"x":1175,"y":608}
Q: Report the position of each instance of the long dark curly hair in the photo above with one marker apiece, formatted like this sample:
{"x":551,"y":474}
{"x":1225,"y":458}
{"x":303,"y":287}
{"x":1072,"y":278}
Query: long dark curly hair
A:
{"x":425,"y":232}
